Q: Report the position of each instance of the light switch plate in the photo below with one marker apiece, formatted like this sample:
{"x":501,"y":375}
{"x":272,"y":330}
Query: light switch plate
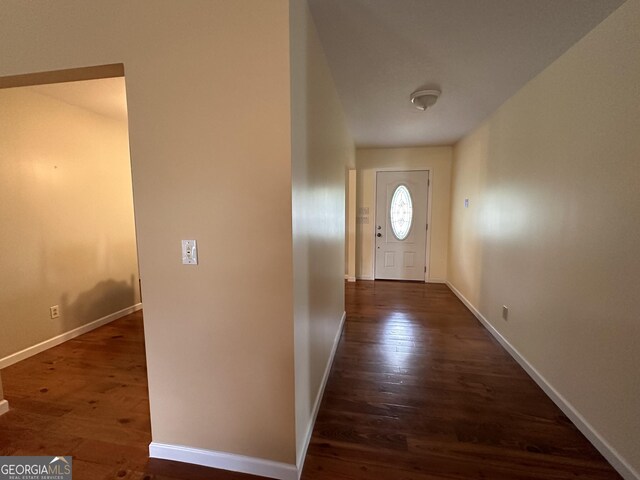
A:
{"x":189,"y":252}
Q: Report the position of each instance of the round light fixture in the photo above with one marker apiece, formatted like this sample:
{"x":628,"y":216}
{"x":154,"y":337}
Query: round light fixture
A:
{"x":423,"y":99}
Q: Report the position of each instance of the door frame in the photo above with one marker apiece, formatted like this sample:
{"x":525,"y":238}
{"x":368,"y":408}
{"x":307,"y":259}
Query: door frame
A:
{"x":96,"y":72}
{"x":427,"y":261}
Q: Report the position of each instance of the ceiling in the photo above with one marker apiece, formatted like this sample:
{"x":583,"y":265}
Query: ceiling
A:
{"x":105,"y":96}
{"x":477,"y":52}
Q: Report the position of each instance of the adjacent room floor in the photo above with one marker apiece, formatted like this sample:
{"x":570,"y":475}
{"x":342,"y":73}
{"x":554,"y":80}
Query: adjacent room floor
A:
{"x":88,"y":398}
{"x":419,"y":390}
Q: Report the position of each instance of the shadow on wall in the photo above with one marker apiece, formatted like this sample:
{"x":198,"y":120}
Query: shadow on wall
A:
{"x":107,"y":297}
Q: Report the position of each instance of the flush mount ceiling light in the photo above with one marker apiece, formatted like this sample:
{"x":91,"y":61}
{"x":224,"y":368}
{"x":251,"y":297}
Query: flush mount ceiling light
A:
{"x":423,"y":99}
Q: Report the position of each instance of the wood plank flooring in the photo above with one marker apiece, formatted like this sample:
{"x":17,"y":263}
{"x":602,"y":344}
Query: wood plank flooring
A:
{"x":88,"y":398}
{"x":419,"y":390}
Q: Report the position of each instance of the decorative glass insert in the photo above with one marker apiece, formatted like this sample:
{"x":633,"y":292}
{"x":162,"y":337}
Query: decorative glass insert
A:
{"x":401,"y":212}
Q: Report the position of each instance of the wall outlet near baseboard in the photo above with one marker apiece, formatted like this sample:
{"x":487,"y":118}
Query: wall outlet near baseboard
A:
{"x":505,"y":312}
{"x":54,"y":311}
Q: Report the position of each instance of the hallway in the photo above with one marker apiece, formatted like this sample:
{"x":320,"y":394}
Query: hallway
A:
{"x":419,"y":390}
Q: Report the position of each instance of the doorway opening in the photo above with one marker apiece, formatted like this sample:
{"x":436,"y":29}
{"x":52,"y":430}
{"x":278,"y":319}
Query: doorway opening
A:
{"x":72,"y":346}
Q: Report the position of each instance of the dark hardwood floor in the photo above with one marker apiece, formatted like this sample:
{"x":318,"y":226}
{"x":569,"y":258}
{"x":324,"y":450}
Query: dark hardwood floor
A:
{"x":88,"y":398}
{"x":419,"y":390}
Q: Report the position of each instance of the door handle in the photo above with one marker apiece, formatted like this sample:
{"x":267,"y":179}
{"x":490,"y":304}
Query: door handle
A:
{"x":378,"y":234}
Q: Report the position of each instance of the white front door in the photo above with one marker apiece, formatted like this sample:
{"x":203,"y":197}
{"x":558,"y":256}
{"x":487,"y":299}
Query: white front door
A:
{"x":401,"y":225}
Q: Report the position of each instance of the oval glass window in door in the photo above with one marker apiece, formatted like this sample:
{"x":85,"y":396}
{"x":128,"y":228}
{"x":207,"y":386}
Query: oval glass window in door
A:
{"x":401,"y":212}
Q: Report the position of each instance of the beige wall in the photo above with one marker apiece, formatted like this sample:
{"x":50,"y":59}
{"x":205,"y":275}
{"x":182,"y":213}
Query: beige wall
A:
{"x":321,"y":149}
{"x":552,"y":228}
{"x":435,"y":159}
{"x":66,"y":211}
{"x":209,"y":115}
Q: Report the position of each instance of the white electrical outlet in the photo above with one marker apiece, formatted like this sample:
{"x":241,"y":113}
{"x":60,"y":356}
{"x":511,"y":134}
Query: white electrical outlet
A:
{"x":54,"y":311}
{"x":505,"y":312}
{"x":189,"y":252}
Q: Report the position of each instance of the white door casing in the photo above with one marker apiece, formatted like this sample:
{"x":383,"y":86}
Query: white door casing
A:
{"x":401,"y":253}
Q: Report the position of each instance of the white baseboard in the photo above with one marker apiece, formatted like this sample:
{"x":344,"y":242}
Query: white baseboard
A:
{"x":607,"y":451}
{"x":365,"y":277}
{"x":4,"y":406}
{"x":318,"y":401}
{"x":349,"y":279}
{"x":224,"y":461}
{"x":241,"y":463}
{"x":52,"y":342}
{"x":437,"y":280}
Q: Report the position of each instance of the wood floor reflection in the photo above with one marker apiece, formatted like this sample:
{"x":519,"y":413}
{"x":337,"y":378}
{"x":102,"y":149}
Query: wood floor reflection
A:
{"x":420,"y":390}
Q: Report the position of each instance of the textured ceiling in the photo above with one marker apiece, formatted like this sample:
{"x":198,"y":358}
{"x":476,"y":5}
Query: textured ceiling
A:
{"x":104,"y":96}
{"x":478,"y":52}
